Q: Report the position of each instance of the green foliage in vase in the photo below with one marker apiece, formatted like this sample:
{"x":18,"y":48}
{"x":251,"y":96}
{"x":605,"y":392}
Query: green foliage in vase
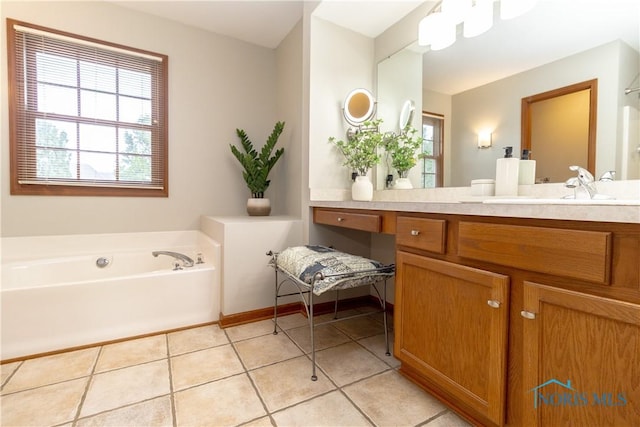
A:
{"x":360,"y":150}
{"x":258,"y":165}
{"x":403,"y":148}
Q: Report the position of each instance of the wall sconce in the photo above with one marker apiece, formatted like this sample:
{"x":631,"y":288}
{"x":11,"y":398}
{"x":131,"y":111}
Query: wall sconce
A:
{"x":484,"y":139}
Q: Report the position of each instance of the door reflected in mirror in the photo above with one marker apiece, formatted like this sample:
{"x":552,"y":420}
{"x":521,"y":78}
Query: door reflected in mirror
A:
{"x":558,"y":129}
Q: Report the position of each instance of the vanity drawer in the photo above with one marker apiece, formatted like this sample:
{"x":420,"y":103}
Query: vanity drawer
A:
{"x":357,"y":221}
{"x":570,"y":253}
{"x":421,"y":233}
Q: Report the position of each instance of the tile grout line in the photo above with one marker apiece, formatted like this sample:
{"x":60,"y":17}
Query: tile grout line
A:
{"x":338,"y":388}
{"x":255,"y":388}
{"x":86,"y":389}
{"x":6,"y":381}
{"x":172,"y":398}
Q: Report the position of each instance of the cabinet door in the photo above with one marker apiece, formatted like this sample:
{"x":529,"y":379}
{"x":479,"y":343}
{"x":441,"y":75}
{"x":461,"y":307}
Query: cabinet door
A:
{"x":581,"y":359}
{"x":451,"y":327}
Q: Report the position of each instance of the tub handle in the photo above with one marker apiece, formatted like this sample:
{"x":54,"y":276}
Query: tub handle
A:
{"x":102,"y":262}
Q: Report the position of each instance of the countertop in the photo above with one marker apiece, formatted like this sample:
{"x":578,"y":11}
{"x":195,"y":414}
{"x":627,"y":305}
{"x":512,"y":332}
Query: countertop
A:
{"x":458,"y":201}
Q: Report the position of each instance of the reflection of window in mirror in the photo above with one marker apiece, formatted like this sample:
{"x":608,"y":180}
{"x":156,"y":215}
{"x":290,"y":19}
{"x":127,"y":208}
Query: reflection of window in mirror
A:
{"x":432,"y":140}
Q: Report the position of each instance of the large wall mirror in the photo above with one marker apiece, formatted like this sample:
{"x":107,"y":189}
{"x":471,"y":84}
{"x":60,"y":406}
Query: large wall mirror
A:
{"x":478,"y":85}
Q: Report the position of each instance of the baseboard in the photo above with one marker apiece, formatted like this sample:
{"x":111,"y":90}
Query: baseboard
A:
{"x":227,"y":320}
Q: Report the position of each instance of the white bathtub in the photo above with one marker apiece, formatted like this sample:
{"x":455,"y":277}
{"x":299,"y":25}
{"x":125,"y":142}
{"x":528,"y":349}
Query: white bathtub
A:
{"x":54,"y":296}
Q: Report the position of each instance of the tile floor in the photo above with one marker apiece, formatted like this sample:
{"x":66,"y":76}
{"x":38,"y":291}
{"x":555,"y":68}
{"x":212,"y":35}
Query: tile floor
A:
{"x":208,"y":376}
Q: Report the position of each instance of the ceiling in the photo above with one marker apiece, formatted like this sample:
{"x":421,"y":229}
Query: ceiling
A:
{"x":552,"y":30}
{"x":267,"y":22}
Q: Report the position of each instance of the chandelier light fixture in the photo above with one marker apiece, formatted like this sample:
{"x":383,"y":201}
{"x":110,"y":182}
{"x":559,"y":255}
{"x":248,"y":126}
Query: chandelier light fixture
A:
{"x":439,"y":28}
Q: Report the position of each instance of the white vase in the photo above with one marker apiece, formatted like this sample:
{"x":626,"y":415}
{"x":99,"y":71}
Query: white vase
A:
{"x":362,"y":189}
{"x":258,"y":207}
{"x":403,"y":184}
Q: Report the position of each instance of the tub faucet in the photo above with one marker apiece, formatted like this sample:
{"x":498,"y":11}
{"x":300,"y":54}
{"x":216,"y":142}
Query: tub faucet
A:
{"x":584,"y":180}
{"x":188,"y":262}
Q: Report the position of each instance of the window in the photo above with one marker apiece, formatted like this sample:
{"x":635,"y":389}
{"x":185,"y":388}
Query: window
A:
{"x":87,"y":118}
{"x":432,"y":140}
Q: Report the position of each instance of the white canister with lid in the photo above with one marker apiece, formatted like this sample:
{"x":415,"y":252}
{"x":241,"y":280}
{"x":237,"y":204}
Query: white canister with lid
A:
{"x":483,"y":187}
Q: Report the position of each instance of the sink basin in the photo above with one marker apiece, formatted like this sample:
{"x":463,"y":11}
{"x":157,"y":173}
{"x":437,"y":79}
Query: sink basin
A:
{"x":590,"y":202}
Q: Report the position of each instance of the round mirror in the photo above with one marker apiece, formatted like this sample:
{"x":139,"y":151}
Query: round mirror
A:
{"x":406,"y":114}
{"x":359,"y":106}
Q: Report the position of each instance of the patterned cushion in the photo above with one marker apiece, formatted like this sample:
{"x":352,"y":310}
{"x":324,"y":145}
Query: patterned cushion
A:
{"x":340,"y":270}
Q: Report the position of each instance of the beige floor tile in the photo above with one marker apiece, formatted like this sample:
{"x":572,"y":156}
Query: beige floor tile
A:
{"x":390,"y":399}
{"x":330,"y":410}
{"x":226,"y":402}
{"x":110,"y":390}
{"x":196,"y":339}
{"x":132,"y":352}
{"x":7,"y":369}
{"x":43,"y":406}
{"x":348,"y":363}
{"x":267,"y":349}
{"x":52,"y":369}
{"x":448,"y":419}
{"x":360,"y":327}
{"x":377,"y":346}
{"x":292,"y":321}
{"x":325,"y":336}
{"x":204,"y":366}
{"x":287,"y":383}
{"x":250,"y":330}
{"x":156,"y":413}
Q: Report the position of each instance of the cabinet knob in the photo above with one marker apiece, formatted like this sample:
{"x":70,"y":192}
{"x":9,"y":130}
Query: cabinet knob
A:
{"x":527,"y":314}
{"x":493,"y":303}
{"x":415,"y":232}
{"x":340,"y":219}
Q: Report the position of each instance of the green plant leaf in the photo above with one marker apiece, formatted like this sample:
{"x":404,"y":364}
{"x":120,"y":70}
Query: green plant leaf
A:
{"x":258,"y":165}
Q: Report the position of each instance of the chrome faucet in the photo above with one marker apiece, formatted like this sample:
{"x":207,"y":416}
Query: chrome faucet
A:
{"x":186,"y":261}
{"x":608,"y":176}
{"x":584,"y":180}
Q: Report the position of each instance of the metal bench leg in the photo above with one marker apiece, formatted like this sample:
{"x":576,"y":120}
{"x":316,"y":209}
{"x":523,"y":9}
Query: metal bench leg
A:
{"x":386,"y":325}
{"x":275,"y":305}
{"x":314,"y":377}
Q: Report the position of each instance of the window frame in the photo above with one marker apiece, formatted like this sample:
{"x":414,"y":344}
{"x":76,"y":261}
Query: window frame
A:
{"x":438,"y":147}
{"x":78,"y":186}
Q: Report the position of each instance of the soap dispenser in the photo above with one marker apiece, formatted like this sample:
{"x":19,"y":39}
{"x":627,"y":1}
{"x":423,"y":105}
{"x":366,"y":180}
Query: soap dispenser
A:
{"x":507,"y":171}
{"x":527,"y":171}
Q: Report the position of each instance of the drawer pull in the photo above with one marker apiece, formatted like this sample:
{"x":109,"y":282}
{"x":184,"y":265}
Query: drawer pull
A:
{"x":340,"y":219}
{"x":493,"y":303}
{"x":527,"y":314}
{"x":415,"y":232}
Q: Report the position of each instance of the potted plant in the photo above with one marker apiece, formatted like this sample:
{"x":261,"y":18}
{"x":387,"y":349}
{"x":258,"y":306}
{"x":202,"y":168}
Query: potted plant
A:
{"x":403,"y":151}
{"x":360,"y":151}
{"x":257,"y":167}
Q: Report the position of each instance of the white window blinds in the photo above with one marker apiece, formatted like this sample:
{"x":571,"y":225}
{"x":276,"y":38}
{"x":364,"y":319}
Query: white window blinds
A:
{"x":87,"y":117}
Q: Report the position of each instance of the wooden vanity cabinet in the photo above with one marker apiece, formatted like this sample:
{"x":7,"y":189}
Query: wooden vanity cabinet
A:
{"x":451,"y":331}
{"x":511,"y":304}
{"x":521,"y":322}
{"x":589,"y":348}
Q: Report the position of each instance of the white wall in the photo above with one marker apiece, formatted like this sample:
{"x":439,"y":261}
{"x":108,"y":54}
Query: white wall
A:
{"x":216,"y":84}
{"x":341,"y":60}
{"x":287,"y":180}
{"x":496,"y":106}
{"x":399,"y":80}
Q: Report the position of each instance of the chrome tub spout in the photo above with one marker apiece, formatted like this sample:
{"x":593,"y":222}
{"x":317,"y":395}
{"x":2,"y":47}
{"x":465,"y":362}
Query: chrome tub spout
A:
{"x":186,"y":261}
